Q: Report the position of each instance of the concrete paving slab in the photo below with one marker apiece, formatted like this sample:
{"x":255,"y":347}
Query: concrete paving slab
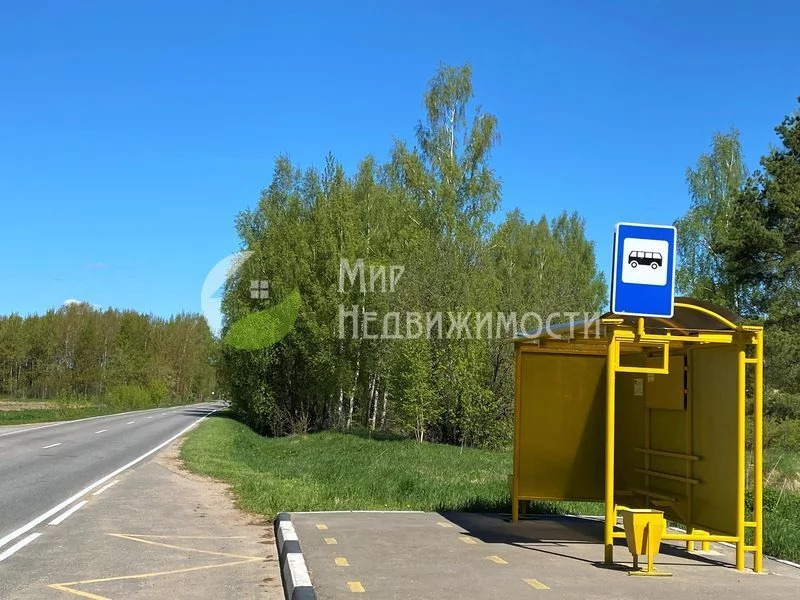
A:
{"x":158,"y":532}
{"x":458,"y":555}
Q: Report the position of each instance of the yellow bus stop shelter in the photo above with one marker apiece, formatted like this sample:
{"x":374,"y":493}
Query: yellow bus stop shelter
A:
{"x":645,"y":413}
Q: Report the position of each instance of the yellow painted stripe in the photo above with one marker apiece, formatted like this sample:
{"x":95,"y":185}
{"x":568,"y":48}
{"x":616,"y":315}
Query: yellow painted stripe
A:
{"x":341,"y":561}
{"x":443,"y":524}
{"x":63,"y":588}
{"x":467,"y":540}
{"x":331,"y":540}
{"x":496,"y":559}
{"x":355,"y":586}
{"x":536,"y":584}
{"x":321,"y":526}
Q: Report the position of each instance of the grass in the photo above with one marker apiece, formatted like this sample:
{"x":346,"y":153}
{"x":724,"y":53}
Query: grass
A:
{"x":336,"y":471}
{"x":44,"y":415}
{"x":14,"y":411}
{"x":782,"y":503}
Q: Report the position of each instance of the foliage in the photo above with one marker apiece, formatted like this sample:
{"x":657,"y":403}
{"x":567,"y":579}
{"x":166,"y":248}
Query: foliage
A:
{"x":714,"y":184}
{"x":122,"y":358}
{"x":337,"y":471}
{"x":762,"y":250}
{"x":430,"y":211}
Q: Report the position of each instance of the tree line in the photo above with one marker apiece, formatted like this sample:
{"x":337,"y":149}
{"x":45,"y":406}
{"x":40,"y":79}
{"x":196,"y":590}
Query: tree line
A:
{"x":429,"y":212}
{"x":739,"y":246}
{"x":124,"y":358}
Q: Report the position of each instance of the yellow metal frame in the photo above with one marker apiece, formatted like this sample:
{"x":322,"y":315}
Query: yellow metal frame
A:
{"x":619,"y":335}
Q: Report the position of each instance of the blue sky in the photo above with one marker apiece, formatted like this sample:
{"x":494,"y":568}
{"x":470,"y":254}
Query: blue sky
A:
{"x":131,"y":133}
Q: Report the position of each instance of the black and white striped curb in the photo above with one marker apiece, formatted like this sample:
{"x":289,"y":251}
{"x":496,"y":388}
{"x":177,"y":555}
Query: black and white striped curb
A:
{"x":296,"y":580}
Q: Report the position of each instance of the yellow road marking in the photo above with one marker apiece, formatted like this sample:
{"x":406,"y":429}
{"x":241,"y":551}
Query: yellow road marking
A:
{"x":443,"y":524}
{"x":467,"y":540}
{"x":321,"y":526}
{"x":136,"y":538}
{"x":536,"y":583}
{"x":497,"y":559}
{"x":331,"y":540}
{"x":341,"y":561}
{"x":355,"y":586}
{"x":67,"y":586}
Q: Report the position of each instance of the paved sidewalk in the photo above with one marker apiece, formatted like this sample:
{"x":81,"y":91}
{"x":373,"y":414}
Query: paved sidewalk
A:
{"x":471,"y":556}
{"x":159,"y":532}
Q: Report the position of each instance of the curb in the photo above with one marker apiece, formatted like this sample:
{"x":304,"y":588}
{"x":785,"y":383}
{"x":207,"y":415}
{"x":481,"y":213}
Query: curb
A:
{"x":296,"y":580}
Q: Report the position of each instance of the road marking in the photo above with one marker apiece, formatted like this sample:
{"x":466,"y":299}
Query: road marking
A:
{"x":341,"y":561}
{"x":356,"y":587}
{"x":20,"y":544}
{"x":331,"y":541}
{"x":105,"y":487}
{"x":467,"y":540}
{"x":63,"y":517}
{"x":51,"y":446}
{"x":130,"y":422}
{"x":443,"y":524}
{"x":497,"y":560}
{"x":321,"y":526}
{"x":67,"y":587}
{"x":59,"y":507}
{"x":127,"y":412}
{"x":150,"y":417}
{"x":101,"y":431}
{"x":536,"y":584}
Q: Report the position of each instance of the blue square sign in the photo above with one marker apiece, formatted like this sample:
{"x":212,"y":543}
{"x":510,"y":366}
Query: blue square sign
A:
{"x":643,"y":280}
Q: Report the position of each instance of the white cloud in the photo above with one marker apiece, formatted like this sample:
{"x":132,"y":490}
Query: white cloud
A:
{"x":70,"y":301}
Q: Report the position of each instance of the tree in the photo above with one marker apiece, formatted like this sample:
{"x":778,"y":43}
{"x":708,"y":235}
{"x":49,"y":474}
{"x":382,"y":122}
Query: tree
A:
{"x":429,"y":210}
{"x":762,"y":252}
{"x":714,"y":184}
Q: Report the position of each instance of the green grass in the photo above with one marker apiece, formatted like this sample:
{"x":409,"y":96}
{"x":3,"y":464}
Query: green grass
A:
{"x":336,"y":471}
{"x":782,"y":503}
{"x":44,"y":415}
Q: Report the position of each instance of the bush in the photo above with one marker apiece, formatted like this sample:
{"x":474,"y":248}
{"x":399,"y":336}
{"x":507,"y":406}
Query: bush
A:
{"x":781,"y":405}
{"x":782,"y":434}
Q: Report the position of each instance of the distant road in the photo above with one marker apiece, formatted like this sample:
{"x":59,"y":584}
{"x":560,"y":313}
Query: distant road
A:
{"x":45,"y":470}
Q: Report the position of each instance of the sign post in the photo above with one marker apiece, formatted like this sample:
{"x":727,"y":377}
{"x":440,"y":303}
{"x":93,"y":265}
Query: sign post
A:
{"x":643,"y":276}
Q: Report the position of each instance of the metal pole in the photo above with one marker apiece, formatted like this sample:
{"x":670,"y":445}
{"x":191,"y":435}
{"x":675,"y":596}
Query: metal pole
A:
{"x":758,"y":459}
{"x":740,"y":434}
{"x":611,"y":513}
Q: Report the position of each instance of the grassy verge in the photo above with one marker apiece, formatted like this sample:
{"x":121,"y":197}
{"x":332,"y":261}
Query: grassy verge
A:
{"x":44,"y":415}
{"x":335,"y":471}
{"x":20,"y":412}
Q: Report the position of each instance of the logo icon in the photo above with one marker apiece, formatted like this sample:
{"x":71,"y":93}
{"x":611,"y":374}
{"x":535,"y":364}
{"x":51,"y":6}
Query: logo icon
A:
{"x":257,"y":330}
{"x":264,"y":328}
{"x":644,"y":261}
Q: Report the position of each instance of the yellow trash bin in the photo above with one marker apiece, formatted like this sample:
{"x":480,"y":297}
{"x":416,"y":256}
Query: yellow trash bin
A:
{"x":643,"y":530}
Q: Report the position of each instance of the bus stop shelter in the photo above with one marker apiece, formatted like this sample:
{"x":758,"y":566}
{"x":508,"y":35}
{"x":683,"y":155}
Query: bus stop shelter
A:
{"x":645,"y":413}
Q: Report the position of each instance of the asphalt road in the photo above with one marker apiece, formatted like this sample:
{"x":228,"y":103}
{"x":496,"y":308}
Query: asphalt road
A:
{"x":46,"y":470}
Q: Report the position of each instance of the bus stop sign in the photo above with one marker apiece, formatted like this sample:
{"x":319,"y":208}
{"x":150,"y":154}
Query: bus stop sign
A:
{"x":643,"y":280}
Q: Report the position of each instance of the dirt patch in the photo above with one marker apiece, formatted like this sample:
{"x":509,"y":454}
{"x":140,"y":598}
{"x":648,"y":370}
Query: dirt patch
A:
{"x":7,"y":405}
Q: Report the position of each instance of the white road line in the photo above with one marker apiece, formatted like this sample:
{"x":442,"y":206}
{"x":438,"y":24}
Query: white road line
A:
{"x":59,"y":507}
{"x":101,"y":431}
{"x":51,"y":446}
{"x":129,"y":412}
{"x":105,"y":487}
{"x":130,"y":422}
{"x":150,"y":416}
{"x":63,"y":516}
{"x":20,"y":544}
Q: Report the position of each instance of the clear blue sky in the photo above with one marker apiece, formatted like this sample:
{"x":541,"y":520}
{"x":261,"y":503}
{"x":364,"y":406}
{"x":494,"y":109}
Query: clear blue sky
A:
{"x":131,"y":133}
